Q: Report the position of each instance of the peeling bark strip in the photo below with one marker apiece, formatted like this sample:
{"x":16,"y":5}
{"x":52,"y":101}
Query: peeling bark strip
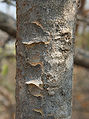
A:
{"x":45,"y":48}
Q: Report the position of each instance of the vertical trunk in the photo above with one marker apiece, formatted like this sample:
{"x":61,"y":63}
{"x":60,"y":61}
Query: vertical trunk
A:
{"x":44,"y":48}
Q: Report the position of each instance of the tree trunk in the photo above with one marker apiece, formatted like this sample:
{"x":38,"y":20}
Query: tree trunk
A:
{"x":44,"y":49}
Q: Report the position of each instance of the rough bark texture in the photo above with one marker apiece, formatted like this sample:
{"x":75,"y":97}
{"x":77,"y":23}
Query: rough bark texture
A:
{"x":45,"y":48}
{"x":8,"y":24}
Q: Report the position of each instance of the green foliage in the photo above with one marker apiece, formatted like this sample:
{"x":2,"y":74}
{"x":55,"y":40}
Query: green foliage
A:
{"x":82,"y":40}
{"x":4,"y":70}
{"x":0,"y":50}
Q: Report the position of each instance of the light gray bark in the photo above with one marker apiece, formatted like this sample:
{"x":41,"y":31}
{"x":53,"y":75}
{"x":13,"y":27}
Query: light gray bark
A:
{"x":45,"y":49}
{"x":8,"y":24}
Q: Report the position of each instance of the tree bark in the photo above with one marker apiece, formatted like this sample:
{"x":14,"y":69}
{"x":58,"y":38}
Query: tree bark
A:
{"x":8,"y":24}
{"x":44,"y":54}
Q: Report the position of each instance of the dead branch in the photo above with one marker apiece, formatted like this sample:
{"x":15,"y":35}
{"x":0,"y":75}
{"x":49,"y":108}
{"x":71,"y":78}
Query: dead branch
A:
{"x":8,"y":24}
{"x":81,"y":57}
{"x":83,"y":19}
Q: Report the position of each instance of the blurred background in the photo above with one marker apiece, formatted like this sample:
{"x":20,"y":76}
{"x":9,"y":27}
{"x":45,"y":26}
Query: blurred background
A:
{"x":8,"y":62}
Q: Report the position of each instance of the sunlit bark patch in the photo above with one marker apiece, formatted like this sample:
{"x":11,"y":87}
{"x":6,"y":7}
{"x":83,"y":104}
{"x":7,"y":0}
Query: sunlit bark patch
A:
{"x":35,"y":88}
